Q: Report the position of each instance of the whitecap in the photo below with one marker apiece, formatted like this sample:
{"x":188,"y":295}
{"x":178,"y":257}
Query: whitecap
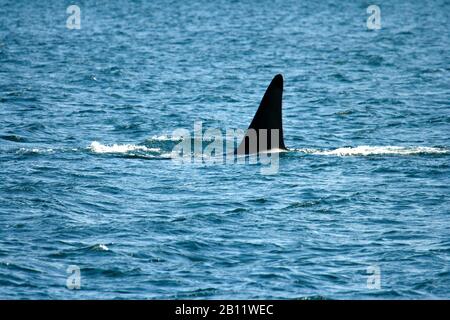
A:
{"x":97,"y":147}
{"x":376,"y":150}
{"x":165,"y":138}
{"x":34,"y":150}
{"x":100,"y":247}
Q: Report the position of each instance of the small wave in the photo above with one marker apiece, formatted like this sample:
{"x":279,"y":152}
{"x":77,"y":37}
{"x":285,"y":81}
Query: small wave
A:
{"x":376,"y":150}
{"x":165,"y":138}
{"x":99,"y":247}
{"x":13,"y":138}
{"x":26,"y":151}
{"x":97,"y":147}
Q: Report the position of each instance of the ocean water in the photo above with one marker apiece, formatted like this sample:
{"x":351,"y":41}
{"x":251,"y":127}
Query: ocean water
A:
{"x":88,"y":177}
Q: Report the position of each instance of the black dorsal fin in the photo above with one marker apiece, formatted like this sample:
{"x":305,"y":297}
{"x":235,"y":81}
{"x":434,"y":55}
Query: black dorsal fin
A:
{"x":267,"y":117}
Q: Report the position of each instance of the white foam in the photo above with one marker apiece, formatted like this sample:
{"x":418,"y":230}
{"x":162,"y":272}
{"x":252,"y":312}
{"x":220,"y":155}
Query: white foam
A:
{"x":34,"y":150}
{"x":165,"y":138}
{"x":276,"y":150}
{"x":97,"y":147}
{"x":100,"y":247}
{"x":376,"y":150}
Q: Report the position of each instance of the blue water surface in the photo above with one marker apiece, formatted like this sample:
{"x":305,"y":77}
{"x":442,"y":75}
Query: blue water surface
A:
{"x":87,"y":176}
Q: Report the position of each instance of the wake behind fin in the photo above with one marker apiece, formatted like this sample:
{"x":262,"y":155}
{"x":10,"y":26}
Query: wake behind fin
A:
{"x":266,"y":129}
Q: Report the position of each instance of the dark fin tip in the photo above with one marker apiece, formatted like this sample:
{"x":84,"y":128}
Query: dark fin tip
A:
{"x":278,"y":81}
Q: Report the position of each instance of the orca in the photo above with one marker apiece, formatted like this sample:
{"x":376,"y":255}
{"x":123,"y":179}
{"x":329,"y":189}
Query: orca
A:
{"x":265,"y":133}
